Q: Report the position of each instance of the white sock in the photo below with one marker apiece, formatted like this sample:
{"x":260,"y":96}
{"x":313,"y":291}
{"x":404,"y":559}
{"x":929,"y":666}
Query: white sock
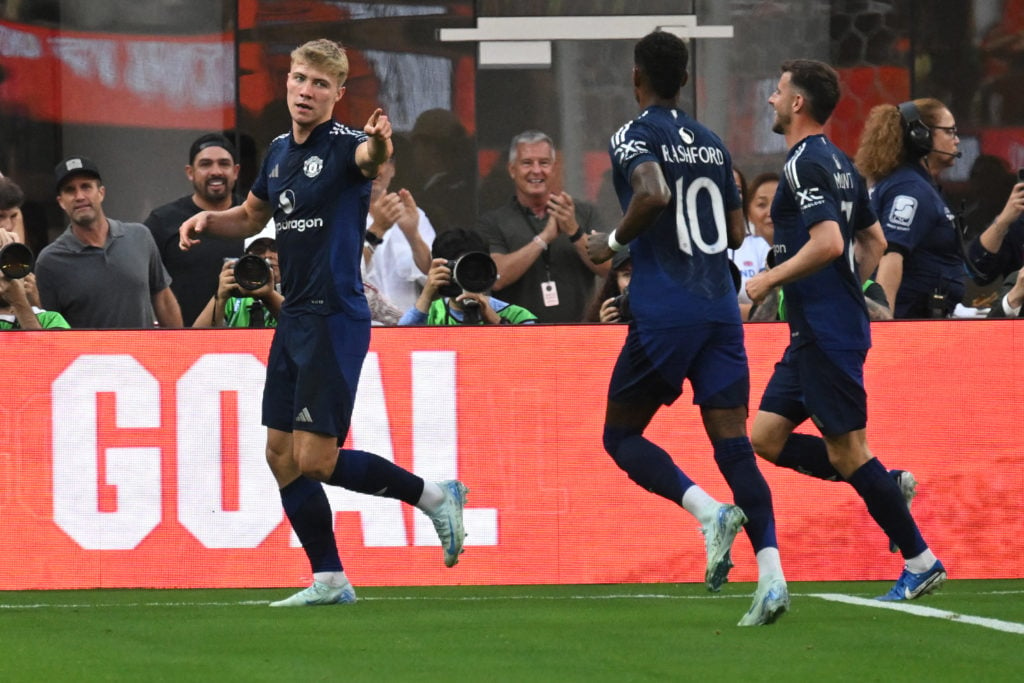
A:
{"x":332,"y":579}
{"x":431,"y":498}
{"x":769,"y":565}
{"x":922,"y":562}
{"x":698,"y":503}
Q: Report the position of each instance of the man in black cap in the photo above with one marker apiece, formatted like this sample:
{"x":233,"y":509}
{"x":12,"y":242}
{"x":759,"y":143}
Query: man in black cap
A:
{"x":102,"y":273}
{"x":213,"y":171}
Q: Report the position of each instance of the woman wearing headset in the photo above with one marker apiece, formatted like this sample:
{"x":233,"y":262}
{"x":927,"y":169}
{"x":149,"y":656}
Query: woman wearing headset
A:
{"x":903,"y":149}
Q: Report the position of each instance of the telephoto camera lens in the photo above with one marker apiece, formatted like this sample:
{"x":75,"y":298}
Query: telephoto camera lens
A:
{"x":16,"y":260}
{"x":251,"y":272}
{"x":474,"y":272}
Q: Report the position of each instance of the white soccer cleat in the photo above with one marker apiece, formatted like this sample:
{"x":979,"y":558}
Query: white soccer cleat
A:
{"x":771,"y":601}
{"x":718,"y":538}
{"x":447,"y":520}
{"x":320,"y":594}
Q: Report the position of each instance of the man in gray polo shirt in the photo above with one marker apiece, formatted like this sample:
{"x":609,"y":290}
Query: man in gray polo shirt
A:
{"x":102,"y":273}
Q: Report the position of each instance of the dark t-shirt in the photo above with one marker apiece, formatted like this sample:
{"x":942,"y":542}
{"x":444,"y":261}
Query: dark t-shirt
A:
{"x":509,"y":228}
{"x":194,"y":273}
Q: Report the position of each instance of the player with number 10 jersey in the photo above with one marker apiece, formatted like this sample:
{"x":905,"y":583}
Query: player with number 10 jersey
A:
{"x":681,"y":270}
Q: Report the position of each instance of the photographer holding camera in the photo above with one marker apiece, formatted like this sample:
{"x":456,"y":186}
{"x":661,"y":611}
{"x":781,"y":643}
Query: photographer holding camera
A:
{"x":461,"y":275}
{"x":18,"y":313}
{"x":247,"y":293}
{"x":17,"y":283}
{"x":610,"y":303}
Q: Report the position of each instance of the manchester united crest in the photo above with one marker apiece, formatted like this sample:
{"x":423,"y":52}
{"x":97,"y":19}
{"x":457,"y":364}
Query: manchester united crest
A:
{"x":312,"y":166}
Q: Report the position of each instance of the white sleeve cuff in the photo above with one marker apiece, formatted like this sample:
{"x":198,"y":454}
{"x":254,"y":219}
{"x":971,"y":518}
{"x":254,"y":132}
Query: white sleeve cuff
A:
{"x":1009,"y":310}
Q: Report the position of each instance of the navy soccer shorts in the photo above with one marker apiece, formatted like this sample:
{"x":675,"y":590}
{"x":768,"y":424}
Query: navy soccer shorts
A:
{"x":827,"y":387}
{"x":313,"y":371}
{"x":653,"y":365}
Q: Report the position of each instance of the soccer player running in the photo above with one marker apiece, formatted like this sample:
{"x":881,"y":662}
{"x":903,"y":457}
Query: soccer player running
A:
{"x":674,"y":181}
{"x":821,"y":206}
{"x":315,"y":181}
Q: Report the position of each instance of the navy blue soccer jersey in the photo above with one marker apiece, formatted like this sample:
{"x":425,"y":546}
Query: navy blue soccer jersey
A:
{"x":680,"y":266}
{"x":916,"y":218}
{"x":821,"y":184}
{"x":320,"y":200}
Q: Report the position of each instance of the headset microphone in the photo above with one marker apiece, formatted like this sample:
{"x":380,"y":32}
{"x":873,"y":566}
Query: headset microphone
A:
{"x":955,"y":155}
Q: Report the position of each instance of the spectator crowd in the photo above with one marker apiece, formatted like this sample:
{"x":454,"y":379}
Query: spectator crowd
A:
{"x":105,"y":272}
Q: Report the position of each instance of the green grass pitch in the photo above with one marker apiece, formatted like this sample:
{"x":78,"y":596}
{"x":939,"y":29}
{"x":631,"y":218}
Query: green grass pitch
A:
{"x":972,"y":631}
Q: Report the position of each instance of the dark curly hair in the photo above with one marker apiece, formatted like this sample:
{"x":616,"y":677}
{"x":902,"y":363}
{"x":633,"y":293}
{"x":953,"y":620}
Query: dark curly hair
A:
{"x":663,"y":57}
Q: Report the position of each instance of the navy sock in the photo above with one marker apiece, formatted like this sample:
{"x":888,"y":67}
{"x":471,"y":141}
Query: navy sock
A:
{"x":310,"y":515}
{"x":882,"y":495}
{"x":368,"y":473}
{"x":736,"y":461}
{"x":808,"y":455}
{"x":646,"y":464}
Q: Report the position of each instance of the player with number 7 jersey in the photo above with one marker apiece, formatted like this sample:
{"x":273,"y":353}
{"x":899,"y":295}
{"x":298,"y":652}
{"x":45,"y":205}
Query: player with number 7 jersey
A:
{"x":819,"y":183}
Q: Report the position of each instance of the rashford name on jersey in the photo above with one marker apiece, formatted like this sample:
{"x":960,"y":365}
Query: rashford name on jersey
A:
{"x":682,"y":154}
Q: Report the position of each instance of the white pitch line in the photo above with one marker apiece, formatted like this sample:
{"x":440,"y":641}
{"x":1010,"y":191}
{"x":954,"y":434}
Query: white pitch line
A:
{"x":922,"y":611}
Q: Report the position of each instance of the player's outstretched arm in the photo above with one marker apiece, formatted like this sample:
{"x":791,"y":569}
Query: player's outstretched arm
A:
{"x":377,"y":148}
{"x":237,"y":222}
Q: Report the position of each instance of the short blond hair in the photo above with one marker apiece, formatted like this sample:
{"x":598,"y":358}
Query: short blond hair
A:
{"x":323,"y":54}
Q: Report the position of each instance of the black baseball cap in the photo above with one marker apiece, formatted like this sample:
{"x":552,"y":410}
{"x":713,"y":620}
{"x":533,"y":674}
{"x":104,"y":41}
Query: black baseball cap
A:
{"x":211,"y":140}
{"x":620,"y":258}
{"x":73,"y":166}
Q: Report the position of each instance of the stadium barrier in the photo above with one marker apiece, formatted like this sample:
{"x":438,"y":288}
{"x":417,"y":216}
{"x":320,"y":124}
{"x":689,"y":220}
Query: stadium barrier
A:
{"x":135,"y":459}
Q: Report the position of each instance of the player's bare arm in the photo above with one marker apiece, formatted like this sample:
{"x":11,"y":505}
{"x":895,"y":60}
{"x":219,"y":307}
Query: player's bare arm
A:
{"x":890,"y":275}
{"x":378,"y":148}
{"x":868,"y":246}
{"x":737,"y":230}
{"x":240,"y":222}
{"x":824,"y":246}
{"x":651,"y":194}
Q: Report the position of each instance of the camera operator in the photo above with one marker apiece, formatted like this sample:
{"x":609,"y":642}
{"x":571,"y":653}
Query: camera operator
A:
{"x":610,"y":303}
{"x":19,"y":299}
{"x":17,"y":312}
{"x":234,"y":306}
{"x":442,"y":304}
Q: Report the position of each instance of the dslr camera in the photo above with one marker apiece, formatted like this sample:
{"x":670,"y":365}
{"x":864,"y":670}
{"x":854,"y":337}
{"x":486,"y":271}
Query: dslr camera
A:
{"x":251,"y":271}
{"x":16,"y":260}
{"x":474,"y":271}
{"x":621,"y":302}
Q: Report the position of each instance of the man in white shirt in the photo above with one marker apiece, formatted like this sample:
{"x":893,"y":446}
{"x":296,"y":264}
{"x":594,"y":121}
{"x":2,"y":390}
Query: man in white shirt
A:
{"x":396,"y":262}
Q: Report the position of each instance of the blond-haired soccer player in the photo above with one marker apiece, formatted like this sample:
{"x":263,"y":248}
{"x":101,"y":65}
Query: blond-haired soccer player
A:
{"x":315,"y":182}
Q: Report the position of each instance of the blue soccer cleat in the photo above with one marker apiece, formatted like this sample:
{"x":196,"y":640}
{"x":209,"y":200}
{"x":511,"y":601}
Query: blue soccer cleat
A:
{"x":911,"y":586}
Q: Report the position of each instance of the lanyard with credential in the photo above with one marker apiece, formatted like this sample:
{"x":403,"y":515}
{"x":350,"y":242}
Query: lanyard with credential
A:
{"x":528,"y":216}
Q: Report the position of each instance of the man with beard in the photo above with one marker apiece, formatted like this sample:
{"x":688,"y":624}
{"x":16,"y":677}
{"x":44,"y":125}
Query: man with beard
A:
{"x":213,"y":171}
{"x":102,"y":273}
